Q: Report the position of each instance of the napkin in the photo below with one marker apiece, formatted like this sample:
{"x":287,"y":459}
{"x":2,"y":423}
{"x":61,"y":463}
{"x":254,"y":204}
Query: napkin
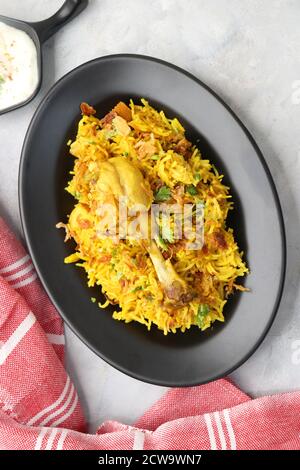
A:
{"x":40,"y":409}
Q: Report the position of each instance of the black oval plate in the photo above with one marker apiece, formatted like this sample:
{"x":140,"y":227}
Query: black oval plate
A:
{"x":176,"y":360}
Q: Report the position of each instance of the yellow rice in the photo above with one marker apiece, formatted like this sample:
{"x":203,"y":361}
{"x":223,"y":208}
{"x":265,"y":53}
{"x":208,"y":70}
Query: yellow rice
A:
{"x":124,"y":271}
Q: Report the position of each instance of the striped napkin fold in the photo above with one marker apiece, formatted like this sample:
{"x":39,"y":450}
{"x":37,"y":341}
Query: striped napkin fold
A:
{"x":39,"y":406}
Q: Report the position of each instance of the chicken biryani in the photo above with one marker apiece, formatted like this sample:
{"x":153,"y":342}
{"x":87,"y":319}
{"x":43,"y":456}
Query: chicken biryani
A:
{"x":138,"y":155}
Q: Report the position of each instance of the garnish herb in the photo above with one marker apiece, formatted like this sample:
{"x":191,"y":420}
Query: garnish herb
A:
{"x":203,"y":311}
{"x":162,"y":194}
{"x":137,"y":288}
{"x":190,"y":189}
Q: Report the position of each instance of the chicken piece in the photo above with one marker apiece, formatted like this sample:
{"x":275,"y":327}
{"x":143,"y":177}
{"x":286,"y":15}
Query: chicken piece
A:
{"x":122,"y":110}
{"x":87,"y":109}
{"x":145,"y":149}
{"x":80,"y":223}
{"x":119,"y":177}
{"x":80,"y":217}
{"x":121,"y":126}
{"x":108,"y":184}
{"x":107,"y":120}
{"x":183,"y":147}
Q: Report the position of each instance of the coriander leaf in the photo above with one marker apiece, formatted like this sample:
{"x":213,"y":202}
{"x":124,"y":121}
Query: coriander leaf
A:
{"x":197,"y":177}
{"x":203,"y":311}
{"x":190,"y":188}
{"x":162,"y":194}
{"x":137,"y":288}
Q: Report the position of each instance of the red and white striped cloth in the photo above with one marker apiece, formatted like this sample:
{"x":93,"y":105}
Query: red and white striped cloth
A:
{"x":39,"y":407}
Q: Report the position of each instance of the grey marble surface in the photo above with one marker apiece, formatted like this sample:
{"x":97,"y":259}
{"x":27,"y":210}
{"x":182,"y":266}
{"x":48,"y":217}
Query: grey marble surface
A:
{"x":249,"y":53}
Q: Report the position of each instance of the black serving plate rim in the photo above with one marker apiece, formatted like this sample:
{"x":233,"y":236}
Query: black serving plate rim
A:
{"x":266,"y":170}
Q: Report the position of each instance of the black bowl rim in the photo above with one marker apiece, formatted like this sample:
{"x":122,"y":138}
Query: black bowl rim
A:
{"x":267,"y":172}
